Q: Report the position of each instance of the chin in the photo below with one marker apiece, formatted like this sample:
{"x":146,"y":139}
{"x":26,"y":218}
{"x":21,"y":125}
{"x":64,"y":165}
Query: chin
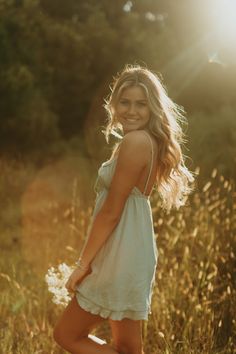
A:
{"x":127,"y":129}
{"x":130,"y":130}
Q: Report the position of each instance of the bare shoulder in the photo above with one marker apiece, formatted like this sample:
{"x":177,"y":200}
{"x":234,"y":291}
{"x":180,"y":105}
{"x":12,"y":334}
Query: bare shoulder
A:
{"x":135,"y":145}
{"x":138,"y":137}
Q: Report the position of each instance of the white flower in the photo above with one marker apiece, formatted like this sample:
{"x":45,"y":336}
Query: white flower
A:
{"x":56,"y":279}
{"x":64,"y":268}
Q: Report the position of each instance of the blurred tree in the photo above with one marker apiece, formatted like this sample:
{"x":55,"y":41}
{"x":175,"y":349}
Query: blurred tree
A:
{"x":57,"y":58}
{"x":212,"y":141}
{"x":68,"y":58}
{"x":27,"y":121}
{"x":213,"y":88}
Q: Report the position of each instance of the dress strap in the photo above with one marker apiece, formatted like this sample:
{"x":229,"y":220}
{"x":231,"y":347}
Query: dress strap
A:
{"x":151,"y":163}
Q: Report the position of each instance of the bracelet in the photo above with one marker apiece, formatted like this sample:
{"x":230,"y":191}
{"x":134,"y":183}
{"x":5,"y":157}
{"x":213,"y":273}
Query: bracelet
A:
{"x":80,"y":265}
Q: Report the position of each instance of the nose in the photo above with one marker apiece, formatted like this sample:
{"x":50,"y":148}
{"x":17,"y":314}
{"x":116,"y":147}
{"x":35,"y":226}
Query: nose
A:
{"x":131,"y":109}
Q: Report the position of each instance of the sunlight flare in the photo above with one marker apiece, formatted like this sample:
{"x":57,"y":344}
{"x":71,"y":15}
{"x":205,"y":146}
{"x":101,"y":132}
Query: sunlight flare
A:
{"x":225,"y":11}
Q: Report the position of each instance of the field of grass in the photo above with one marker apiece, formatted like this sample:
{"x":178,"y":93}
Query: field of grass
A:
{"x":44,"y":217}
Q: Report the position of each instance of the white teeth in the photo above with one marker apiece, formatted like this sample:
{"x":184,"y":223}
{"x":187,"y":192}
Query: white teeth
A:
{"x":131,"y":120}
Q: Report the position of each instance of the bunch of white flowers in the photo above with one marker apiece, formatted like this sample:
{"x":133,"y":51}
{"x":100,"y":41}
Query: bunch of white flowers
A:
{"x":56,"y":279}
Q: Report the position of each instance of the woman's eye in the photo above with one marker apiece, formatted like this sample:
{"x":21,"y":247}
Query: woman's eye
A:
{"x":139,"y":104}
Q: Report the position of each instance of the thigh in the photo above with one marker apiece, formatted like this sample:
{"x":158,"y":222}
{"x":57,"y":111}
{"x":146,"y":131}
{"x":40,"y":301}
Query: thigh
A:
{"x":75,"y":322}
{"x":127,"y":335}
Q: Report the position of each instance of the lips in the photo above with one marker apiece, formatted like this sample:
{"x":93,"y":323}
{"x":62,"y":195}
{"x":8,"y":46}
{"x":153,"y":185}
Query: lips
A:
{"x":131,"y":120}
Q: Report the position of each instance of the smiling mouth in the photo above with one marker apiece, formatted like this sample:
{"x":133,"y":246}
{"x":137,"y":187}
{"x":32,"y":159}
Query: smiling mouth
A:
{"x":131,"y":120}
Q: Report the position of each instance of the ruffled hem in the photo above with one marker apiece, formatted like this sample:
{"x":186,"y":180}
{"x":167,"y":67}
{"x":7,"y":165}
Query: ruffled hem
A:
{"x":96,"y":309}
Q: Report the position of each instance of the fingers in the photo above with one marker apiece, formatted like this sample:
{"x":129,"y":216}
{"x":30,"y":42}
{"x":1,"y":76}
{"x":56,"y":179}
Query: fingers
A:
{"x":70,"y":286}
{"x":76,"y":277}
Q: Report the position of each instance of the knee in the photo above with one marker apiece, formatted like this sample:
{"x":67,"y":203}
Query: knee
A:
{"x":66,"y":339}
{"x":62,"y":339}
{"x":58,"y":335}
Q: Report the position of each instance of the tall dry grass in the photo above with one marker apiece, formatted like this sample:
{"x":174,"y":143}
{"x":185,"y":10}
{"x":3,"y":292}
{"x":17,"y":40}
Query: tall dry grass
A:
{"x":43,"y":222}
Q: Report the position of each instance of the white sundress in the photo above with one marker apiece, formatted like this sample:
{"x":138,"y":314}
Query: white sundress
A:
{"x":122,"y":276}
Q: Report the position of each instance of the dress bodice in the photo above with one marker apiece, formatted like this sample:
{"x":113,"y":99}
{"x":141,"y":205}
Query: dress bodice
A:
{"x":104,"y":178}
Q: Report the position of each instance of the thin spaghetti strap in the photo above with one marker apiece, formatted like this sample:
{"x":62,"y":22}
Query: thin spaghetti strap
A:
{"x":151,"y":164}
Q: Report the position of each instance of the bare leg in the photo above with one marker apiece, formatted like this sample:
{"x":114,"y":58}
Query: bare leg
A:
{"x":127,"y":336}
{"x":90,"y":346}
{"x":72,"y":331}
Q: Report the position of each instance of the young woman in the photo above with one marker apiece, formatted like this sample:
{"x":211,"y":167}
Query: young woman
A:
{"x":115,"y":274}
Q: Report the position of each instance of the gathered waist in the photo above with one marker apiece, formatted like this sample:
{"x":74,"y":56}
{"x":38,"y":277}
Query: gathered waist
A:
{"x":136,"y":193}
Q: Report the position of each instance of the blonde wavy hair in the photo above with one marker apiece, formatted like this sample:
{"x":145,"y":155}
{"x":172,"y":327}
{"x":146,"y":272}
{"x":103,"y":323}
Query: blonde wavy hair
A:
{"x":173,"y":177}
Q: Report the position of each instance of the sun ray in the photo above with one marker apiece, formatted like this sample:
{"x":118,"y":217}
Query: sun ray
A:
{"x":225,"y":20}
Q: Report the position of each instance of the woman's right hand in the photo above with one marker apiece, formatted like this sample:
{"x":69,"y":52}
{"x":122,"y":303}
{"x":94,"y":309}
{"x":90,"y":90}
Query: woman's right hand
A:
{"x":76,"y":278}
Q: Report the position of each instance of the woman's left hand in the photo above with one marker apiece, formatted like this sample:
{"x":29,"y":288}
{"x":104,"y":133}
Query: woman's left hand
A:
{"x":75,"y":278}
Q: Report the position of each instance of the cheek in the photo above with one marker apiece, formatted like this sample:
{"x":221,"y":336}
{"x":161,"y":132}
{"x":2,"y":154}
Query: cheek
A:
{"x":120,"y":109}
{"x":146,"y":113}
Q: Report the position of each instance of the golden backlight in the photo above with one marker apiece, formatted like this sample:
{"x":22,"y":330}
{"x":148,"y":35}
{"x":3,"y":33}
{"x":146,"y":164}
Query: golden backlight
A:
{"x":225,"y":20}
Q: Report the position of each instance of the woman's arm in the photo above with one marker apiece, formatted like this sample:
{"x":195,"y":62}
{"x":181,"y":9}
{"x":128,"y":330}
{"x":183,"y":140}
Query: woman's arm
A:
{"x":133,"y":156}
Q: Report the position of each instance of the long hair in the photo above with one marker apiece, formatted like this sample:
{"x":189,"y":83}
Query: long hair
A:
{"x":173,"y":177}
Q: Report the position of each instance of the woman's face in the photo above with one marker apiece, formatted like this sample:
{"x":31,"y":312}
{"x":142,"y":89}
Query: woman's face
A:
{"x":132,"y":110}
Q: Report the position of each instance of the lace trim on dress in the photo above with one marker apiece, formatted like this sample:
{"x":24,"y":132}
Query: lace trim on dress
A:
{"x":95,"y":309}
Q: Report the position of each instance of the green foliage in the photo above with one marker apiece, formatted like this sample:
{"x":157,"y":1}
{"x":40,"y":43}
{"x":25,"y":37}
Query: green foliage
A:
{"x":27,"y":121}
{"x":212,"y":141}
{"x":57,"y":58}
